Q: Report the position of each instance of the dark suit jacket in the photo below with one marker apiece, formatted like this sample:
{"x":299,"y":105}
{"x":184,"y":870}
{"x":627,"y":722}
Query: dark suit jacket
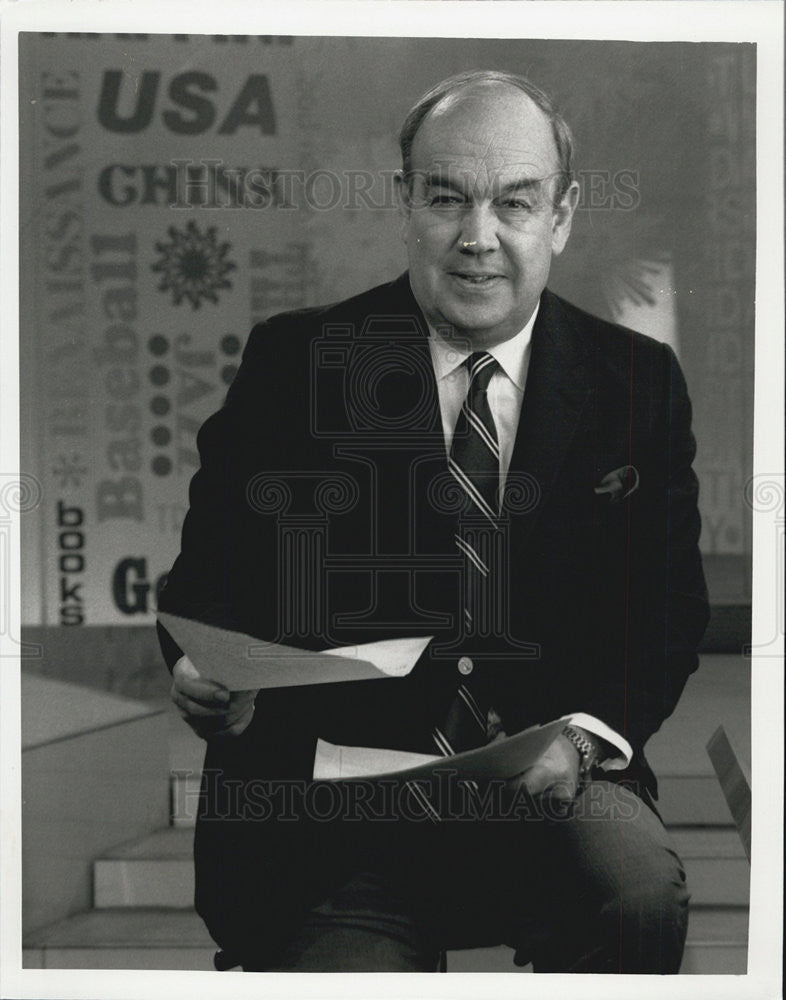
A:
{"x":322,"y":515}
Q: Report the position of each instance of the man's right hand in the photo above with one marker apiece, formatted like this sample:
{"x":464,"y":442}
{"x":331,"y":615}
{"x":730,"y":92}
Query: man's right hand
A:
{"x":209,"y":708}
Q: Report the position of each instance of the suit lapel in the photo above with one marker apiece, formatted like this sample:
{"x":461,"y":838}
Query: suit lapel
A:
{"x":555,"y":397}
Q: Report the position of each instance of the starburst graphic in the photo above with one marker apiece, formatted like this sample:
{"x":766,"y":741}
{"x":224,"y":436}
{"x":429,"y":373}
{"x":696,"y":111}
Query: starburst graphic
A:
{"x":69,"y":470}
{"x":193,"y":265}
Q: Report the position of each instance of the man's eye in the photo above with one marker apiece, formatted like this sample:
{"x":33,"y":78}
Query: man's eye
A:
{"x":517,"y":204}
{"x":444,"y":200}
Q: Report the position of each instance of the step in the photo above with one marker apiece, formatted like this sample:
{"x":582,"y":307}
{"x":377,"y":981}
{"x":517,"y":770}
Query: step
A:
{"x":155,"y":871}
{"x":698,"y":959}
{"x":184,"y":796}
{"x":718,"y":925}
{"x":715,"y":960}
{"x":174,"y":939}
{"x":718,"y":693}
{"x":716,"y":865}
{"x":54,"y":710}
{"x":186,"y":749}
{"x":692,"y":800}
{"x":168,"y":843}
{"x":158,"y":870}
{"x":143,"y":883}
{"x":80,"y":747}
{"x":149,"y":938}
{"x":717,"y":944}
{"x":718,"y":881}
{"x":704,"y":842}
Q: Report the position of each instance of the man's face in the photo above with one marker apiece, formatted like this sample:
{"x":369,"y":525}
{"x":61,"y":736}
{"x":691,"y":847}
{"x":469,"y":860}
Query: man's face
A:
{"x":478,"y":218}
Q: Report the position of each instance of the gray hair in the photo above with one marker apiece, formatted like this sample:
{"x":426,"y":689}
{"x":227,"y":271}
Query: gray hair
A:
{"x":559,"y":127}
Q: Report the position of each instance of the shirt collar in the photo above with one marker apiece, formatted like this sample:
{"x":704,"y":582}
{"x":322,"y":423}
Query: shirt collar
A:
{"x":511,"y":354}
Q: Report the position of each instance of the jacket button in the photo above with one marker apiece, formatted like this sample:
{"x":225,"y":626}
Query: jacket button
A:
{"x":465,"y":665}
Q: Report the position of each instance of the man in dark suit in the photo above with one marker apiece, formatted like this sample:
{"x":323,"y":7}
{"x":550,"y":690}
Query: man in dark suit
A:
{"x":458,"y":454}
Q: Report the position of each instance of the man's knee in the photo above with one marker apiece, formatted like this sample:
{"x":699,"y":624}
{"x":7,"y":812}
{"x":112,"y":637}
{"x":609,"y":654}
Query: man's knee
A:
{"x":619,"y":919}
{"x":620,"y":884}
{"x":618,"y":845}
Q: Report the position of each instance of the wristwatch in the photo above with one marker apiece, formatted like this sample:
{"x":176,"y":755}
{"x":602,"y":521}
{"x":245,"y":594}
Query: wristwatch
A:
{"x":586,"y":748}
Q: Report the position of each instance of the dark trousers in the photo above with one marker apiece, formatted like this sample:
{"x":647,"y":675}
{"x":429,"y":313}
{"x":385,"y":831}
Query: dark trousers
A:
{"x":600,"y":889}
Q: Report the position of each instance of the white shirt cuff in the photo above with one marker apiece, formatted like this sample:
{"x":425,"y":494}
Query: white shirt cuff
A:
{"x":598,"y":728}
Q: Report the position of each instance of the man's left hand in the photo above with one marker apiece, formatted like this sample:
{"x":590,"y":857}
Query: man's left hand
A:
{"x":555,"y":774}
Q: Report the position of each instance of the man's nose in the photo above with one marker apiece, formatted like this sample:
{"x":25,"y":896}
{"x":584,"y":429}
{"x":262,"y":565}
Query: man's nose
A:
{"x":479,"y":230}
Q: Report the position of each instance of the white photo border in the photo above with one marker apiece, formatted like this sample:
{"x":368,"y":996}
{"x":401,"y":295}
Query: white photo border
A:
{"x":757,"y":21}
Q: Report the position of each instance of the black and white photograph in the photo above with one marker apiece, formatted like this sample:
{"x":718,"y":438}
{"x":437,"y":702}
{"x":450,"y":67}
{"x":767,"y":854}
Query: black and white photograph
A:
{"x":392,"y":500}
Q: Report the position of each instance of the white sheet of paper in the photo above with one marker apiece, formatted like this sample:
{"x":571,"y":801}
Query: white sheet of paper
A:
{"x":502,"y":759}
{"x":394,"y":657}
{"x":333,"y":761}
{"x":244,"y":663}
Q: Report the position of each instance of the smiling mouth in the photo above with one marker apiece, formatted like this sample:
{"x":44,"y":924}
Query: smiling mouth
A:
{"x":475,"y":279}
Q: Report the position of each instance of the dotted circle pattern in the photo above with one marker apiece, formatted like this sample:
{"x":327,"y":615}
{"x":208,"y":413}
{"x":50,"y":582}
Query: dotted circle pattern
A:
{"x":160,"y":404}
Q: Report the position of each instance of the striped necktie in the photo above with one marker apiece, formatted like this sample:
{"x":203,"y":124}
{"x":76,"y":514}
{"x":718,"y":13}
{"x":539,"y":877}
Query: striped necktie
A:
{"x":474,"y":453}
{"x":474,"y":463}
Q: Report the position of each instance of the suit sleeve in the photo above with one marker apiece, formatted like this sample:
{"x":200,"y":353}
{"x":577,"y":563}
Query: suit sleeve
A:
{"x":666,"y":600}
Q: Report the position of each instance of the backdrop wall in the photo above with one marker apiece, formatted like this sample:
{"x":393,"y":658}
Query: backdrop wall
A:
{"x":177,"y":189}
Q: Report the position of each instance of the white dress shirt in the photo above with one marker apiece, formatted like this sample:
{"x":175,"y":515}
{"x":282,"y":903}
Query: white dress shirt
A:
{"x":505,"y":395}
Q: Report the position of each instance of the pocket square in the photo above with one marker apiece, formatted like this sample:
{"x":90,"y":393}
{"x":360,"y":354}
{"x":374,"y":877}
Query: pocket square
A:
{"x":619,"y":483}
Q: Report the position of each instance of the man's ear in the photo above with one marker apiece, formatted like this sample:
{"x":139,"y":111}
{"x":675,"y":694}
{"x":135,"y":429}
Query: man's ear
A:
{"x":562,"y":218}
{"x":403,"y":203}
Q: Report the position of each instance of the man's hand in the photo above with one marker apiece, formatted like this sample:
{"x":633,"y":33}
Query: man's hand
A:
{"x":208,"y":707}
{"x":556,"y":773}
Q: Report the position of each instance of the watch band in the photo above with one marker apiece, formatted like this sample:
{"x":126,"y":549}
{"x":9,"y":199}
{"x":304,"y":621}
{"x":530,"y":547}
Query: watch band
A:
{"x":585,"y":747}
